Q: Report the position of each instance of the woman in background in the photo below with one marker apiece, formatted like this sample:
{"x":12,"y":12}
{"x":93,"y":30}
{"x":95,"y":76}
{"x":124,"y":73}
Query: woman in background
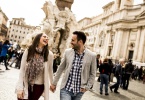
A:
{"x":105,"y":70}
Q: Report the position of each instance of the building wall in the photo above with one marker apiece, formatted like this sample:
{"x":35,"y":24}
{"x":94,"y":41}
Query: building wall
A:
{"x":18,"y":30}
{"x":3,"y":25}
{"x":120,"y":33}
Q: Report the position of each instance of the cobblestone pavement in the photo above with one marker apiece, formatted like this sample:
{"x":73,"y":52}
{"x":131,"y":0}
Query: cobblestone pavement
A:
{"x":9,"y":78}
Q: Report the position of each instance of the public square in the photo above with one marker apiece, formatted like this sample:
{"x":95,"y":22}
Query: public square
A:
{"x":9,"y":78}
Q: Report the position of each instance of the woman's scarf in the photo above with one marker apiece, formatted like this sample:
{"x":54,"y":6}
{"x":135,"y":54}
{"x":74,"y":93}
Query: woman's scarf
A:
{"x":34,"y":67}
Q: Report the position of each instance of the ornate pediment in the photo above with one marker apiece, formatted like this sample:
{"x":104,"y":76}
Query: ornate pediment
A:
{"x":141,"y":15}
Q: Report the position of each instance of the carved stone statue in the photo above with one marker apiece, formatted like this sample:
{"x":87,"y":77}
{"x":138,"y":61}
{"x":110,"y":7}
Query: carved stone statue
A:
{"x":58,"y":25}
{"x":61,"y":4}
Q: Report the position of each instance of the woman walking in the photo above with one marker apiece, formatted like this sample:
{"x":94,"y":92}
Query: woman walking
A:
{"x":36,"y":70}
{"x":104,"y":76}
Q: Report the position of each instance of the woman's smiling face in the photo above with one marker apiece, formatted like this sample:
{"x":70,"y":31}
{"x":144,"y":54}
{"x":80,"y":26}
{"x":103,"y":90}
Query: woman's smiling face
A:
{"x":44,"y":40}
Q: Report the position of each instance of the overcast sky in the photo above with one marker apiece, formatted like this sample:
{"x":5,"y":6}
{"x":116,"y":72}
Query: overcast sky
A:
{"x":33,"y":14}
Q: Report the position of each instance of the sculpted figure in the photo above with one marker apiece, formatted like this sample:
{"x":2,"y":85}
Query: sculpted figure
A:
{"x":58,"y":25}
{"x":61,"y":19}
{"x":61,"y":4}
{"x":48,"y":9}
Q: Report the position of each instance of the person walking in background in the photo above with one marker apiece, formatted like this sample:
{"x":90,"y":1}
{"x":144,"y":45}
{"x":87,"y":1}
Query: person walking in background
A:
{"x":140,"y":73}
{"x":98,"y":65}
{"x":19,"y":57}
{"x":14,"y":57}
{"x":36,"y":70}
{"x":56,"y":62}
{"x":104,"y":75}
{"x":135,"y":73}
{"x":118,"y":72}
{"x":122,"y":80}
{"x":79,"y":67}
{"x":3,"y":54}
{"x":111,"y":75}
{"x":10,"y":53}
{"x":128,"y":71}
{"x":144,"y":75}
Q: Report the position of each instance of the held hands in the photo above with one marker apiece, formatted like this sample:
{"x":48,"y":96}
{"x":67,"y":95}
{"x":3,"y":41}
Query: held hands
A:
{"x":20,"y":94}
{"x":83,"y":90}
{"x":52,"y":88}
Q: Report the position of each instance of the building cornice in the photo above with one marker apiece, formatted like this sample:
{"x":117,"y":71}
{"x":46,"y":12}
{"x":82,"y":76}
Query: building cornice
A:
{"x":28,"y":26}
{"x":107,"y":5}
{"x":92,"y":24}
{"x":84,"y":19}
{"x":121,"y":20}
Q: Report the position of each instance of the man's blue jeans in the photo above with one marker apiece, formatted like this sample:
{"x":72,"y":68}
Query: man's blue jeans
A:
{"x":67,"y":95}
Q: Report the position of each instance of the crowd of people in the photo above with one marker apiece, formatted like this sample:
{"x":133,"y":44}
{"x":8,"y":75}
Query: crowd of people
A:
{"x":10,"y":55}
{"x":123,"y":71}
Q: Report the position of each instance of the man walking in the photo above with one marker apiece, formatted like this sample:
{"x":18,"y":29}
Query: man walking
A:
{"x":128,"y":71}
{"x":79,"y":67}
{"x":118,"y":72}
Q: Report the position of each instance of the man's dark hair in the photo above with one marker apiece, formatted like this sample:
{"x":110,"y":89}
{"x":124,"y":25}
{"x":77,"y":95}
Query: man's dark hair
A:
{"x":80,"y":36}
{"x":130,"y":60}
{"x":7,"y":42}
{"x":98,"y":54}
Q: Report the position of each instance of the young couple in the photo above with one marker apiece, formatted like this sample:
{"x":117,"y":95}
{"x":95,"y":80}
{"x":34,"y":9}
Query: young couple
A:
{"x":78,"y":65}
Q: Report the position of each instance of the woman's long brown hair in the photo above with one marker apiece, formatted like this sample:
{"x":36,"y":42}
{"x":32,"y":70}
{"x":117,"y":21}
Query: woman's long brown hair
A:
{"x":32,"y":48}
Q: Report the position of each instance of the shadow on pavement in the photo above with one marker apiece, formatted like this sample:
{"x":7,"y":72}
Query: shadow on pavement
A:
{"x":135,"y":93}
{"x":111,"y":96}
{"x":1,"y":71}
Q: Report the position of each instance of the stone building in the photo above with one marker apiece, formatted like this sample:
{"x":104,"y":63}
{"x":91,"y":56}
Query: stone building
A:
{"x":18,"y":30}
{"x":3,"y":25}
{"x":119,"y":32}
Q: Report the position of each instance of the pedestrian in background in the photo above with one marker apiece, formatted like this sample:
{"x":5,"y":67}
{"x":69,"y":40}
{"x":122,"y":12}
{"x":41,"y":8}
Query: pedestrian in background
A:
{"x":79,"y":67}
{"x":10,"y":53}
{"x":56,"y":62}
{"x":140,"y":73}
{"x":111,"y":75}
{"x":19,"y":57}
{"x":14,"y":57}
{"x":118,"y":72}
{"x":36,"y":70}
{"x":144,"y":75}
{"x":129,"y":67}
{"x":3,"y":54}
{"x":105,"y":71}
{"x":98,"y":65}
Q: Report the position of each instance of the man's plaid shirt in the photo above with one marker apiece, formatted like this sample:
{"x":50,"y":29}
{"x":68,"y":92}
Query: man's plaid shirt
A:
{"x":74,"y":79}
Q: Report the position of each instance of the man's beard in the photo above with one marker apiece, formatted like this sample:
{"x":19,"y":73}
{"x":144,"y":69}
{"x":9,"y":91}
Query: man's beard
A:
{"x":75,"y":47}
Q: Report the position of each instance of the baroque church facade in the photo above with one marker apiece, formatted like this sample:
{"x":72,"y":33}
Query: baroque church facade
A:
{"x":119,"y":32}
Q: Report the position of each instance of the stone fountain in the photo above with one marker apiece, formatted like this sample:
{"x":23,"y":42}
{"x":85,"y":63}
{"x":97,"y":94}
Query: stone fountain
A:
{"x":58,"y":24}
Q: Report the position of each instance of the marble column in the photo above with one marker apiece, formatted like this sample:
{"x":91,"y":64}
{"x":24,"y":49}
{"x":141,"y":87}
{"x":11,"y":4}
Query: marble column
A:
{"x":114,"y":44}
{"x":118,"y":44}
{"x":127,"y":33}
{"x":106,"y":44}
{"x":137,"y":44}
{"x":141,"y":46}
